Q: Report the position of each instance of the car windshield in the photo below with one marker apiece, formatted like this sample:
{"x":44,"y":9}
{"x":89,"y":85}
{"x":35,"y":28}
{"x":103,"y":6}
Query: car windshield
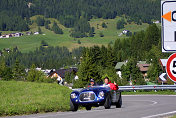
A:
{"x":100,"y":86}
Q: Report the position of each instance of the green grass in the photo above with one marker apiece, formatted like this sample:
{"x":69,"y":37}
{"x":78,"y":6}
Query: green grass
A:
{"x":164,"y":92}
{"x":173,"y":116}
{"x":27,"y":97}
{"x":29,"y":43}
{"x":19,"y":97}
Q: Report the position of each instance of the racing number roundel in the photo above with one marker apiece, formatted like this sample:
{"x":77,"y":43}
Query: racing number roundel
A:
{"x":171,"y":67}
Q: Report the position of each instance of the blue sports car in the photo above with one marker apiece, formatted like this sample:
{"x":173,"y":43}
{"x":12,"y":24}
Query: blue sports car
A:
{"x":95,"y":96}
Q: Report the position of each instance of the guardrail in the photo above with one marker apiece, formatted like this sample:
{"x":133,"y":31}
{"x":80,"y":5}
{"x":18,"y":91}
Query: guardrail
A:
{"x":143,"y":87}
{"x":147,"y":87}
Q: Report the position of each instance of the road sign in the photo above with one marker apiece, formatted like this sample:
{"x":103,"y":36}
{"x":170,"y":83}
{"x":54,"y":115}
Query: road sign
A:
{"x":163,"y":77}
{"x":171,"y":67}
{"x":168,"y":22}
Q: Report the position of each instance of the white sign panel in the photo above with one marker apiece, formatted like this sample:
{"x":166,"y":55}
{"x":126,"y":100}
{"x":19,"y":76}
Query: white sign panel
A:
{"x":168,"y":22}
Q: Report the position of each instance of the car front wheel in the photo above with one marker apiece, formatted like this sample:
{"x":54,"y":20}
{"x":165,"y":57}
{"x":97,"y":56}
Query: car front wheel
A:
{"x":73,"y":107}
{"x":88,"y":107}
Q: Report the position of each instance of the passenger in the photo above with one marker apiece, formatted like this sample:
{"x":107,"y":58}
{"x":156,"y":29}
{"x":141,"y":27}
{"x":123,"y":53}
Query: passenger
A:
{"x":111,"y":85}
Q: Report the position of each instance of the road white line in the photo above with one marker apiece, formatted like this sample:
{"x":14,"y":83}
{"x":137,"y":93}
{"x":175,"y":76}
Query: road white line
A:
{"x":159,"y":115}
{"x":153,"y":102}
{"x":150,"y":95}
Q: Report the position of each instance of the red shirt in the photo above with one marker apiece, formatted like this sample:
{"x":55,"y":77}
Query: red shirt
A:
{"x":113,"y":86}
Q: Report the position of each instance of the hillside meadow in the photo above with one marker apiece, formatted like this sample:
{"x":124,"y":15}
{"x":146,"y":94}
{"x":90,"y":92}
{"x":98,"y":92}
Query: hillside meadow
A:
{"x":29,"y":43}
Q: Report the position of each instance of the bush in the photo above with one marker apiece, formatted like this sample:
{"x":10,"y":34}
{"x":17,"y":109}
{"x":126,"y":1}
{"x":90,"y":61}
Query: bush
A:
{"x":104,"y":25}
{"x":38,"y":76}
{"x":120,"y":24}
{"x":79,"y":42}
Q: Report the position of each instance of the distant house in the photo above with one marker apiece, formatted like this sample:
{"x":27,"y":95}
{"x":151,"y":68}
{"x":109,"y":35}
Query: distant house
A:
{"x":12,"y":35}
{"x":36,"y":33}
{"x":8,"y":36}
{"x":76,"y":77}
{"x":61,"y":72}
{"x":28,"y":33}
{"x":18,"y":34}
{"x":7,"y":50}
{"x":118,"y":68}
{"x":46,"y":71}
{"x":125,"y":31}
{"x":156,"y":22}
{"x":143,"y":67}
{"x":29,"y":5}
{"x":5,"y":36}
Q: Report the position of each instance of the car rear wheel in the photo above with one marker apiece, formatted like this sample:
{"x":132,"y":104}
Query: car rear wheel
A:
{"x":107,"y":104}
{"x":119,"y":103}
{"x":73,"y":107}
{"x":88,"y":107}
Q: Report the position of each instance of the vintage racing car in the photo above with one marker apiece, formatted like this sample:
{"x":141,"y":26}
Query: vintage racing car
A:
{"x":95,"y":96}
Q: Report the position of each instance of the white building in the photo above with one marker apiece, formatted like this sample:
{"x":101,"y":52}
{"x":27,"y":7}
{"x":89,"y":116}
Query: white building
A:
{"x":36,"y":33}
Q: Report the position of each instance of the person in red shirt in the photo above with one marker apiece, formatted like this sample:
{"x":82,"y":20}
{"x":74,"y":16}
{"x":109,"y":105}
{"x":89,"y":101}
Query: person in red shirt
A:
{"x":113,"y":86}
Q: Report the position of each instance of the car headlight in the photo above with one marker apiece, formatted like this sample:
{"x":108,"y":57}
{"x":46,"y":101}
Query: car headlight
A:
{"x":101,"y":94}
{"x":73,"y":96}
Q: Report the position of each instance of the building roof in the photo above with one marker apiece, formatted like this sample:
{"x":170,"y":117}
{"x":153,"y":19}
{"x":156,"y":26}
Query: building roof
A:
{"x":142,"y":62}
{"x":119,"y":65}
{"x":62,"y":72}
{"x":143,"y":67}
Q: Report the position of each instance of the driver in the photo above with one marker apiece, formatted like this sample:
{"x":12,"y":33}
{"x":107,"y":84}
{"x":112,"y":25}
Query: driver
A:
{"x":92,"y":83}
{"x":111,"y":85}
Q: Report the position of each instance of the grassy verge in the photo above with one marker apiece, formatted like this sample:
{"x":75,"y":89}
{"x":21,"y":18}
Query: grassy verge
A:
{"x":27,"y":98}
{"x":164,"y":92}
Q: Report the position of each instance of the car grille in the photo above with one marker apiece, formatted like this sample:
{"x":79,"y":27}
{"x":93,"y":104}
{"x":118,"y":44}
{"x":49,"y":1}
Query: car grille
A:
{"x":87,"y":96}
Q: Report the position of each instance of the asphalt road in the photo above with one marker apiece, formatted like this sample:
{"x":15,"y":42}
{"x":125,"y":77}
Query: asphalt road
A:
{"x":139,"y":106}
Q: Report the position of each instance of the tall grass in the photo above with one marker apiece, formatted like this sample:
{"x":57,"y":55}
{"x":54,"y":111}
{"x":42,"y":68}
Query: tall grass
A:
{"x":26,"y":98}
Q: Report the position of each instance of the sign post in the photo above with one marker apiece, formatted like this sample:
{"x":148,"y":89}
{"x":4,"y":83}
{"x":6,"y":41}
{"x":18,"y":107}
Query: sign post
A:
{"x":168,"y":22}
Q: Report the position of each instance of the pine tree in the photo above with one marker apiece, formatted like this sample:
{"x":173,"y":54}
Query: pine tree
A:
{"x":5,"y":72}
{"x":35,"y":75}
{"x":120,"y":24}
{"x":101,"y":34}
{"x":79,"y":42}
{"x":56,"y":29}
{"x":40,"y":21}
{"x":110,"y":57}
{"x":39,"y":30}
{"x":18,"y":71}
{"x":104,"y":25}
